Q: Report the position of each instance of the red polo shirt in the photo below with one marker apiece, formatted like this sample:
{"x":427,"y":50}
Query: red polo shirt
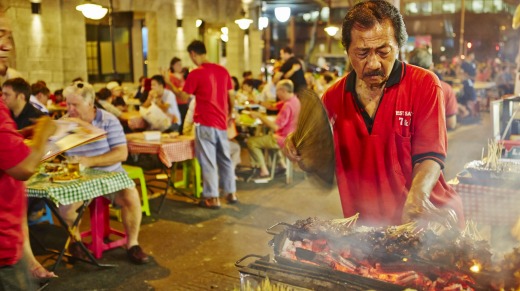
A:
{"x":12,"y":199}
{"x":374,"y":158}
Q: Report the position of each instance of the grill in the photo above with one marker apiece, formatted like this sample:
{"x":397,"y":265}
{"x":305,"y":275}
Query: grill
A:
{"x":301,"y":276}
{"x":311,"y":269}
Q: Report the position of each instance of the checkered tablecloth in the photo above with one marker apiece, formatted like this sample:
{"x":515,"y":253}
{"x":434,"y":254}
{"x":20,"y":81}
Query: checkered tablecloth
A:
{"x":169,"y":150}
{"x":93,"y":183}
{"x":489,"y":205}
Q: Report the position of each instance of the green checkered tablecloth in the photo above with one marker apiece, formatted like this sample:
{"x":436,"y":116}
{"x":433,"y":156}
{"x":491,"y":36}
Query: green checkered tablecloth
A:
{"x":91,"y":184}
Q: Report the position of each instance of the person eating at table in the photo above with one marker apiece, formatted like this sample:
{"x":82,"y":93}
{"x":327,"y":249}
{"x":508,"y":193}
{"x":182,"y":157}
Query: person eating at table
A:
{"x":284,"y":124}
{"x":107,"y":155}
{"x":166,"y":100}
{"x":388,"y":127}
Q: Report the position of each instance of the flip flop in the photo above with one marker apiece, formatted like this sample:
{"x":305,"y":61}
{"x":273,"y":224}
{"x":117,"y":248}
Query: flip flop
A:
{"x":206,"y":204}
{"x":231,"y":198}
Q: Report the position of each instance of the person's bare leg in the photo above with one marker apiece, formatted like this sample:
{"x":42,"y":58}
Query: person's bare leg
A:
{"x":35,"y":268}
{"x":69,"y":214}
{"x":131,"y":213}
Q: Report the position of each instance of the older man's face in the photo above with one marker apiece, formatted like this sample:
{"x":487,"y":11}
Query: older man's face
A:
{"x":6,"y":43}
{"x":77,"y":107}
{"x":372,"y":53}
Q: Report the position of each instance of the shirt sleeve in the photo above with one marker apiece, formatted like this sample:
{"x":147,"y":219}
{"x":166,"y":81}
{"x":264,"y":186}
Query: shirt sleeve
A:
{"x":12,"y":148}
{"x":190,"y":85}
{"x":429,"y":141}
{"x":283,"y":117}
{"x":115,"y":133}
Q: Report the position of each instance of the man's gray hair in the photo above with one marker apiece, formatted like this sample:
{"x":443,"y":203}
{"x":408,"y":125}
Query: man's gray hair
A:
{"x":287,"y":85}
{"x":82,"y":89}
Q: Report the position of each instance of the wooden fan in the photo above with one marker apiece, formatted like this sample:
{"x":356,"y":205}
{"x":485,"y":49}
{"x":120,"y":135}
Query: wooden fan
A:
{"x":313,"y":138}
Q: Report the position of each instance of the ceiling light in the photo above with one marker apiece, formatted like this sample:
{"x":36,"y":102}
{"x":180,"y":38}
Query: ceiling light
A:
{"x":282,"y":14}
{"x":91,"y":10}
{"x":263,"y":22}
{"x":243,"y":23}
{"x":331,"y":30}
{"x":224,"y":37}
{"x":198,"y":22}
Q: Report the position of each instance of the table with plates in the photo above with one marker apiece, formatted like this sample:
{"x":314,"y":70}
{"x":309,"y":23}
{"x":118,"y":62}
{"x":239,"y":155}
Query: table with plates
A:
{"x":91,"y":184}
{"x":170,"y":149}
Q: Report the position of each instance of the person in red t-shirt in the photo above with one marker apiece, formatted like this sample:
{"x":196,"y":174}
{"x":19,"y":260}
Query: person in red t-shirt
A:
{"x":213,"y":89}
{"x":17,"y":163}
{"x":423,"y":58}
{"x":388,"y":126}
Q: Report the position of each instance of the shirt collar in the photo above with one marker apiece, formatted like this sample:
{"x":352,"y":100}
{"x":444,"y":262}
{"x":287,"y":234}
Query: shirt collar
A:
{"x":396,"y":74}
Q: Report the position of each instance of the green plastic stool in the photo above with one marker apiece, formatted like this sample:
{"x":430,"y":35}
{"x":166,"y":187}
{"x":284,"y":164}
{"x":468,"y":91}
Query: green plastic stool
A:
{"x":135,"y":172}
{"x":191,"y":175}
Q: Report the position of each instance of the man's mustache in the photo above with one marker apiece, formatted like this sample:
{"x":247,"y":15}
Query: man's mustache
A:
{"x":375,"y":74}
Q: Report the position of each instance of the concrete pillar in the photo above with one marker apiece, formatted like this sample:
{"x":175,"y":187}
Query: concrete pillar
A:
{"x":137,"y":49}
{"x":235,"y":50}
{"x":161,"y":37}
{"x":74,"y":55}
{"x":255,"y":51}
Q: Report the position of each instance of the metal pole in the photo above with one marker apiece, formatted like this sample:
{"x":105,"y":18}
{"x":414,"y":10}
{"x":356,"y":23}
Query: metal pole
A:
{"x":461,"y":36}
{"x":113,"y":43}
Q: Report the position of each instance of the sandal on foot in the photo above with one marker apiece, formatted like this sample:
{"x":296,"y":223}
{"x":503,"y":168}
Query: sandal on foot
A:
{"x":210,"y":203}
{"x":231,"y":198}
{"x":39,"y":272}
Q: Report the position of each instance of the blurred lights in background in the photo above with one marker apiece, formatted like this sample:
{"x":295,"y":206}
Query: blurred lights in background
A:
{"x":224,"y":36}
{"x":282,"y":14}
{"x":263,"y":22}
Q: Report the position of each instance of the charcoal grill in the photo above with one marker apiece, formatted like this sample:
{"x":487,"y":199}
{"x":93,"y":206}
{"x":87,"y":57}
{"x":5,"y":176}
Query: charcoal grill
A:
{"x":301,"y":276}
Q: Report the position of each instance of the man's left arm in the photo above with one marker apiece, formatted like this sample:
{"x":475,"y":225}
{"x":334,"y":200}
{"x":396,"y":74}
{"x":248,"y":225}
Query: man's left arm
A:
{"x":115,"y":155}
{"x":425,"y":175}
{"x":429,"y":143}
{"x":265,"y":121}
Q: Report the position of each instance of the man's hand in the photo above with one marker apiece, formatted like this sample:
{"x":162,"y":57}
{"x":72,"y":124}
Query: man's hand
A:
{"x":421,"y":208}
{"x":254,"y":114}
{"x":290,"y":150}
{"x":43,"y":128}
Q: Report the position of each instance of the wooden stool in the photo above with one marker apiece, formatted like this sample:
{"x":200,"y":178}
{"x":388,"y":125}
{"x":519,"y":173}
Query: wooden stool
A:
{"x":100,"y":229}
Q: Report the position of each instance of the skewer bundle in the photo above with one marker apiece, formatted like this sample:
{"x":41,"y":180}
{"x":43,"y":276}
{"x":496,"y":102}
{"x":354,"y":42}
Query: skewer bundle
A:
{"x":494,"y":154}
{"x":313,"y":138}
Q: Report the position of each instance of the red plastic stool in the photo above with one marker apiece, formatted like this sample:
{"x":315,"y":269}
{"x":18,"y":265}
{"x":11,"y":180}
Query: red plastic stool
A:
{"x":100,"y":228}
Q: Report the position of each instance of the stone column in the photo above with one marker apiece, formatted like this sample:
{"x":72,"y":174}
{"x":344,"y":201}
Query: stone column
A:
{"x":235,"y":50}
{"x":74,"y":55}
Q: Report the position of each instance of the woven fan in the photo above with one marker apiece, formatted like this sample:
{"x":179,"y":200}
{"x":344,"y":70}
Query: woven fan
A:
{"x":313,"y":138}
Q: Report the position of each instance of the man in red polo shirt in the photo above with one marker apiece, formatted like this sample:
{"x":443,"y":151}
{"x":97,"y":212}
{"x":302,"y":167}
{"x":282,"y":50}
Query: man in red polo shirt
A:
{"x":17,"y":163}
{"x":388,"y":125}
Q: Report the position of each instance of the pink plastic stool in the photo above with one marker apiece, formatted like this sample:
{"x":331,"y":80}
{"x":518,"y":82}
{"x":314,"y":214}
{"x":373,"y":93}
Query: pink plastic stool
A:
{"x":100,"y":228}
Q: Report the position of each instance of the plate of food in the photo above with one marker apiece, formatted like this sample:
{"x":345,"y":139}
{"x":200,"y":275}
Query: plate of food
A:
{"x":65,"y":178}
{"x":50,"y":169}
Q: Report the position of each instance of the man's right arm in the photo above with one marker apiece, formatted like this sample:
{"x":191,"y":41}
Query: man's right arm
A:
{"x":43,"y":129}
